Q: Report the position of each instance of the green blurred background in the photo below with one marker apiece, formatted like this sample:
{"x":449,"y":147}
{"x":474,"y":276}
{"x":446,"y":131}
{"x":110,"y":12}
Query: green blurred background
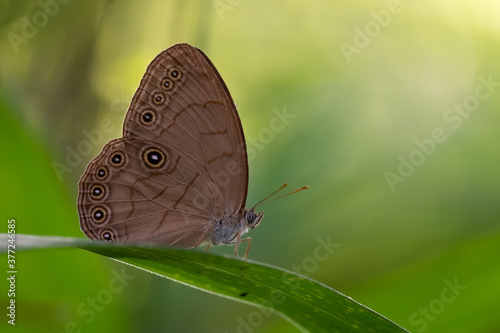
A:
{"x":363,"y":83}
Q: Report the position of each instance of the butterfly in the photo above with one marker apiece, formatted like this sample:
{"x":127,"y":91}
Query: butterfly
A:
{"x":179,"y":174}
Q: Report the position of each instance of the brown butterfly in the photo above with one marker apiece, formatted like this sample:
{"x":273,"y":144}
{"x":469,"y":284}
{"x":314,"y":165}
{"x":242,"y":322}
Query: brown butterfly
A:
{"x":179,"y":174}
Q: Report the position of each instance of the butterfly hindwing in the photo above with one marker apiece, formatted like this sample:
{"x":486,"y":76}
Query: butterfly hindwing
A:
{"x":138,"y":190}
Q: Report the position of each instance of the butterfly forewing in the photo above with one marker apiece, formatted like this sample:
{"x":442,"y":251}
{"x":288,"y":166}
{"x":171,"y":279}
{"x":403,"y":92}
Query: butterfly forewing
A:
{"x":194,"y":114}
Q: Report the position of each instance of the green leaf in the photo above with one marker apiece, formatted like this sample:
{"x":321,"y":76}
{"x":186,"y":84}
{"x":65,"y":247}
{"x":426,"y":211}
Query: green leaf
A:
{"x":307,"y":304}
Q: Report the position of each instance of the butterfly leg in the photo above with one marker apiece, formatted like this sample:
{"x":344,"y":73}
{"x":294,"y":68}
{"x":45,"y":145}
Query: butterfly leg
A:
{"x":238,"y":242}
{"x":249,"y":240}
{"x":208,"y":246}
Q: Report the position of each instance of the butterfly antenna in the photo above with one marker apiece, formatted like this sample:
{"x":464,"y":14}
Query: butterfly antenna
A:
{"x":264,"y":201}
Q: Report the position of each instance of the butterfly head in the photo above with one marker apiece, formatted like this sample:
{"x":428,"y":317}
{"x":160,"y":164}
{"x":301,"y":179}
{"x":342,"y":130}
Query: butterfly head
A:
{"x":253,"y":218}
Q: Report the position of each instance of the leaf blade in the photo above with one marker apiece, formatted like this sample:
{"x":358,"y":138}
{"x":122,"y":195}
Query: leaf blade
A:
{"x":307,"y":304}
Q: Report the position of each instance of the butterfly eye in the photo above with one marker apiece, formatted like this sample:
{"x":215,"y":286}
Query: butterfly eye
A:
{"x":158,"y":99}
{"x":147,"y":117}
{"x":250,"y":217}
{"x":108,"y":235}
{"x":102,"y":173}
{"x":117,"y":159}
{"x":154,"y":158}
{"x":99,"y":215}
{"x":167,"y":84}
{"x":97,"y":192}
{"x":175,"y":74}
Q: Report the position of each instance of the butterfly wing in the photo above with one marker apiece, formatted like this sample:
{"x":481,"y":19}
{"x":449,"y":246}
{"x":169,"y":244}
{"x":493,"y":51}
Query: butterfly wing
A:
{"x":138,"y":190}
{"x":183,"y":114}
{"x":183,"y":103}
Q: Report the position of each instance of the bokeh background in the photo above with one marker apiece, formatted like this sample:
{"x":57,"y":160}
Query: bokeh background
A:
{"x":415,"y":214}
